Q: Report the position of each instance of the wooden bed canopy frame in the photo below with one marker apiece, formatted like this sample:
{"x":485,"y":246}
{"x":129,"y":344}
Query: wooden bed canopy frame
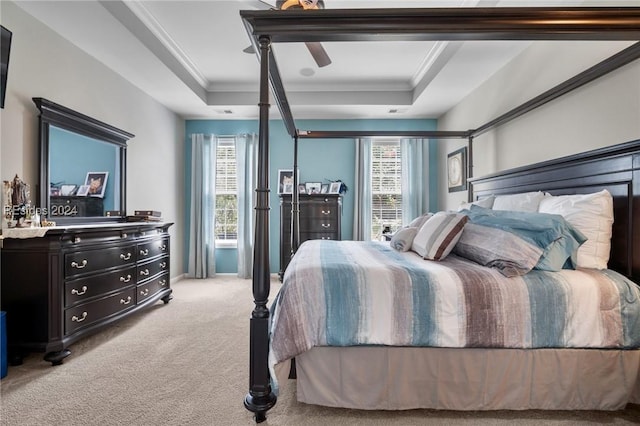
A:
{"x":429,"y":24}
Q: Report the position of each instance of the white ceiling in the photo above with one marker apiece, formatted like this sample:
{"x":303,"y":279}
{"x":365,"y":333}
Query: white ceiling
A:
{"x":188,"y":56}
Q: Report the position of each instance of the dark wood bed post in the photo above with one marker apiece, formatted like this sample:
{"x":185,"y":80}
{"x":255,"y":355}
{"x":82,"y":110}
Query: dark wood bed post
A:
{"x":469,"y":169}
{"x":295,"y":201}
{"x":260,"y":397}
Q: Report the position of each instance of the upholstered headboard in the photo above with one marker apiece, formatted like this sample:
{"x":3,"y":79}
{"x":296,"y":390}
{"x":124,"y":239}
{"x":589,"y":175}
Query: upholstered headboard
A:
{"x":615,"y":168}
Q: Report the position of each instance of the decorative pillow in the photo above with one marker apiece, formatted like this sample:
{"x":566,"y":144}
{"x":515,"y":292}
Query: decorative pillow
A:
{"x":557,"y":238}
{"x":419,"y":221}
{"x":403,"y":238}
{"x":487,"y":203}
{"x":495,"y":248}
{"x":439,"y":234}
{"x":591,"y":214}
{"x":525,"y":202}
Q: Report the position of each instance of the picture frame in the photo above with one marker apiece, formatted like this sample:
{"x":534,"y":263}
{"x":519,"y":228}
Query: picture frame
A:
{"x":83,"y":191}
{"x":285,"y":181}
{"x":334,"y":187}
{"x":313,"y":187}
{"x":97,"y":183}
{"x":457,"y":170}
{"x":325,"y":188}
{"x":68,"y":190}
{"x":302,"y":188}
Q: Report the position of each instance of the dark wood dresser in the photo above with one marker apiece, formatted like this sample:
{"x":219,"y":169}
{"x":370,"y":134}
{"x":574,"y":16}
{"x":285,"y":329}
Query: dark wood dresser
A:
{"x":319,"y":220}
{"x":73,"y":281}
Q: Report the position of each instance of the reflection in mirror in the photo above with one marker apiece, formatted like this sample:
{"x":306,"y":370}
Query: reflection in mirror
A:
{"x":82,"y":172}
{"x":82,"y":166}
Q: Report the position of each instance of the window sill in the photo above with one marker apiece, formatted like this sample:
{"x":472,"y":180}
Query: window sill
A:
{"x":226,"y":244}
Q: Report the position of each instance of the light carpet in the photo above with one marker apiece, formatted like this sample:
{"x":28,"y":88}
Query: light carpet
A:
{"x":186,"y":363}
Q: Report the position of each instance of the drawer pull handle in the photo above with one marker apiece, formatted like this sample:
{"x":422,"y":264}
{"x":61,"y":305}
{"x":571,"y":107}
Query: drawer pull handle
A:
{"x":79,"y":292}
{"x":124,"y":235}
{"x":126,"y":302}
{"x":125,"y":256}
{"x":126,"y":280}
{"x":145,"y":272}
{"x":326,"y":225}
{"x":144,"y":292}
{"x":162,"y":282}
{"x":144,"y":252}
{"x":77,"y":265}
{"x":163,"y":247}
{"x":326,"y":212}
{"x":326,"y":238}
{"x":75,"y":318}
{"x":163,"y":265}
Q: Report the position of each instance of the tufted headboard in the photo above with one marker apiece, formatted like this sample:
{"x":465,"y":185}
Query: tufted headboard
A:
{"x":615,"y":168}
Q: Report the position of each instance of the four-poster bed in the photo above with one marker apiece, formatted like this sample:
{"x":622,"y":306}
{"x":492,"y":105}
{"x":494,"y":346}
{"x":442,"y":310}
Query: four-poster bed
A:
{"x":620,"y":166}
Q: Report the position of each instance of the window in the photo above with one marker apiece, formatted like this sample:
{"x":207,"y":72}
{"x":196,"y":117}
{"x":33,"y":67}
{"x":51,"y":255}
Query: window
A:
{"x":226,"y":193}
{"x":386,"y":186}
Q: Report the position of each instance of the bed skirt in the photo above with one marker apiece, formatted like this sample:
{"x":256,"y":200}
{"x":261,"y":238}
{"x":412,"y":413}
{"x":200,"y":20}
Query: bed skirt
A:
{"x":394,"y":378}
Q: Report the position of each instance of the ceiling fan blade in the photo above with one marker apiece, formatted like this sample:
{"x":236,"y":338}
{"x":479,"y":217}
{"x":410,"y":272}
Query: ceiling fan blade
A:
{"x":319,"y":54}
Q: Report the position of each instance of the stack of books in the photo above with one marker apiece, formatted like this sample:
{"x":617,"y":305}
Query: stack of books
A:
{"x":145,"y":216}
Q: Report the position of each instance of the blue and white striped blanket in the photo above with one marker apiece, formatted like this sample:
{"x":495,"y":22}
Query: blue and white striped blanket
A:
{"x":344,"y":293}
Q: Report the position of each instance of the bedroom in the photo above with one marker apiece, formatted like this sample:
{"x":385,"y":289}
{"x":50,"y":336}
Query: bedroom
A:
{"x":151,"y":122}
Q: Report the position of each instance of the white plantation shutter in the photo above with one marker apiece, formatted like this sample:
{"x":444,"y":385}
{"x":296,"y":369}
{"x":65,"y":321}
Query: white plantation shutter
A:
{"x":386,"y":186}
{"x":226,"y":190}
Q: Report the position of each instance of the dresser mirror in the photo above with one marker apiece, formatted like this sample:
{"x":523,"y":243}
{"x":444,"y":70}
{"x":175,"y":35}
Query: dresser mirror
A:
{"x":82,"y":166}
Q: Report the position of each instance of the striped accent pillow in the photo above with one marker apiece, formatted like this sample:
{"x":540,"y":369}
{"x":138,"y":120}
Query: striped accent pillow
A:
{"x":438,"y":235}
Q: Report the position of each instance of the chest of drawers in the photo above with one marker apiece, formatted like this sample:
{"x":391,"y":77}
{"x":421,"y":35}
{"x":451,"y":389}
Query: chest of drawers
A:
{"x":73,"y":281}
{"x":319,"y":219}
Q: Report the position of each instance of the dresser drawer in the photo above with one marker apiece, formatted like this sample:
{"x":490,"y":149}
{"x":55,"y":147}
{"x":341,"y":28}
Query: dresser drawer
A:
{"x":95,"y":260}
{"x":152,"y":268}
{"x":151,"y":287}
{"x":82,"y":289}
{"x":153,"y":248}
{"x":91,"y":312}
{"x":320,"y":210}
{"x":308,"y":224}
{"x":304,"y":236}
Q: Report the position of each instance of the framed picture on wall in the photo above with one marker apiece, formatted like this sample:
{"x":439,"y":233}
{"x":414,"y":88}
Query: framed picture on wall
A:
{"x":457,"y":170}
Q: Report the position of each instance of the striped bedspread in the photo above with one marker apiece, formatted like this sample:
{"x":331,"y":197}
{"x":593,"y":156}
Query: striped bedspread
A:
{"x":343,"y":293}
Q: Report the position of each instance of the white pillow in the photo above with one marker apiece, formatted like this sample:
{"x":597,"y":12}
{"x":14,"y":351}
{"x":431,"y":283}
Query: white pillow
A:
{"x":591,"y":214}
{"x":438,"y":235}
{"x":487,"y":203}
{"x":525,"y":202}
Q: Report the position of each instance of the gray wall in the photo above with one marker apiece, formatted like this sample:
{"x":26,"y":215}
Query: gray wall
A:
{"x":43,"y":64}
{"x":604,"y":112}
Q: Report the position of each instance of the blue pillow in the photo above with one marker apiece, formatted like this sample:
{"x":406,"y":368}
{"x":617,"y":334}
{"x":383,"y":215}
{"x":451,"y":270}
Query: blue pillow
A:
{"x":558,"y":239}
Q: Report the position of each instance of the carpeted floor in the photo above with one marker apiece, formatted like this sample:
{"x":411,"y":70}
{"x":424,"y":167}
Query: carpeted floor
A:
{"x":186,"y":363}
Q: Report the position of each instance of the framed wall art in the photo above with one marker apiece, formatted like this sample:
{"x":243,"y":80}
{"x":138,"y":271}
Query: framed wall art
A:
{"x":457,"y":170}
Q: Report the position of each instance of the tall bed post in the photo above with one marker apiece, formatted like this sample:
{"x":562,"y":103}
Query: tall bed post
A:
{"x":295,"y":201}
{"x":469,"y":169}
{"x":260,"y":397}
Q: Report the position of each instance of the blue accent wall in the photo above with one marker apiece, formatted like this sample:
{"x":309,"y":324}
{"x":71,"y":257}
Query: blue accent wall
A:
{"x":319,"y":160}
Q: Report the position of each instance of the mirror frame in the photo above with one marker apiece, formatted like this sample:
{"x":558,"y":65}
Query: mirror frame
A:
{"x":68,"y":119}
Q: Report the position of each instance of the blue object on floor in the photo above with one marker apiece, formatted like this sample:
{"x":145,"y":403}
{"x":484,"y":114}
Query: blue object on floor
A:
{"x":3,"y":345}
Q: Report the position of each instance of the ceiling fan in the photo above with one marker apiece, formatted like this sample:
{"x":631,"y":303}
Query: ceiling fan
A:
{"x":317,"y":51}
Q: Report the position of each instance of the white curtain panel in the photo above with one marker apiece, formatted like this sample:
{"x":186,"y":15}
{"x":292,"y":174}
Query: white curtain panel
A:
{"x":413,"y":183}
{"x":246,"y":157}
{"x":362,"y":191}
{"x":202,"y":261}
